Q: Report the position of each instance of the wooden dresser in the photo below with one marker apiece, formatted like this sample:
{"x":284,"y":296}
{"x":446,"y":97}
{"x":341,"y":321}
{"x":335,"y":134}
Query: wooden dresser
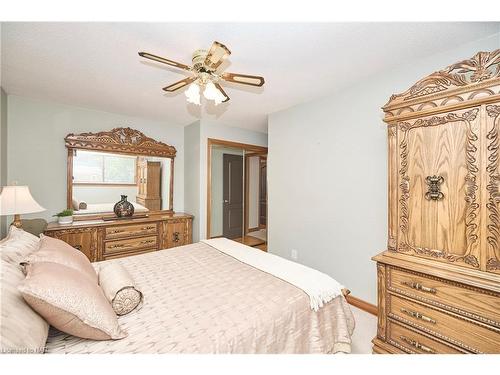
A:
{"x":101,"y":240}
{"x":148,"y":184}
{"x":439,"y":279}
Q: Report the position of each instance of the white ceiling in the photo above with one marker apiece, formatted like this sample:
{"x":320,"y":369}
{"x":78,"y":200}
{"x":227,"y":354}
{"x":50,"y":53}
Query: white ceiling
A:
{"x":95,"y":65}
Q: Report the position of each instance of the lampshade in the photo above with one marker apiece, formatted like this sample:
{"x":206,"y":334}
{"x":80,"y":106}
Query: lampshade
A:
{"x":15,"y":200}
{"x":212,"y":93}
{"x":193,"y":94}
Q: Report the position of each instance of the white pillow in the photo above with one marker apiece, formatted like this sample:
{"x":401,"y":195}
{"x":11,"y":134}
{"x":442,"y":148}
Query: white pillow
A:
{"x":18,"y":245}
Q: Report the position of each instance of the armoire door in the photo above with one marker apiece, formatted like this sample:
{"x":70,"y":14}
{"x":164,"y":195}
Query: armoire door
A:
{"x":438,"y":189}
{"x":492,"y":187}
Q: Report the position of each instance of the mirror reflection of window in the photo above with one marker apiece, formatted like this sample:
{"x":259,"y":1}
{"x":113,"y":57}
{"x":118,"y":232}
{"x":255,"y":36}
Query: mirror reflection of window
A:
{"x":102,"y":168}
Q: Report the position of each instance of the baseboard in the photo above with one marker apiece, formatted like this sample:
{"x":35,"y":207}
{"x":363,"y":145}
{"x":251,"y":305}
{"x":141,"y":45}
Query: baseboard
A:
{"x":363,"y":305}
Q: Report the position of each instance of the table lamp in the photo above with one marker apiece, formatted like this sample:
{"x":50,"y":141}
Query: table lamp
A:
{"x":16,"y":200}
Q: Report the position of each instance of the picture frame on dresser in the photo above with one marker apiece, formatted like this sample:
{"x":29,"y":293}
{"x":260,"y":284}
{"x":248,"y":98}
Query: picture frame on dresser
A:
{"x":439,"y":279}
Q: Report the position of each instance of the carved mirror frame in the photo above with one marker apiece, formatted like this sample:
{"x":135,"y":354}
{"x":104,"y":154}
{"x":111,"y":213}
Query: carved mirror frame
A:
{"x":118,"y":141}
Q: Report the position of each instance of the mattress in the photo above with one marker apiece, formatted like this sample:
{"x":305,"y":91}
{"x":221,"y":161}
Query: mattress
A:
{"x":102,"y":208}
{"x":199,"y":300}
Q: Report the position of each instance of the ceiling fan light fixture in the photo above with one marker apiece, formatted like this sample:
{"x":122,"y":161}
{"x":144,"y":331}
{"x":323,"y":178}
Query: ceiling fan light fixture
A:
{"x":206,"y":74}
{"x":193,"y":94}
{"x":212,"y":93}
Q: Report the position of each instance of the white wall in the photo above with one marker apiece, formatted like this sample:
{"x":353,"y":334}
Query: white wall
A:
{"x":192,"y":175}
{"x":3,"y":153}
{"x":253,"y":191}
{"x":36,"y":152}
{"x":327,"y":173}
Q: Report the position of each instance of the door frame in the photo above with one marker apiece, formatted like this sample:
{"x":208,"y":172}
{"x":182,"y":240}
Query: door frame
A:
{"x":220,"y":142}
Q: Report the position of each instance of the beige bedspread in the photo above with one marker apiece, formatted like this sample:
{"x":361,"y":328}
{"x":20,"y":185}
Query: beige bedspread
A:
{"x":199,"y":300}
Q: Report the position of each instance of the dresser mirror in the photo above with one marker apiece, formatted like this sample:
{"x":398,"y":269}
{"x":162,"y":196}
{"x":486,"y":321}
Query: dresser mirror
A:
{"x":122,"y":164}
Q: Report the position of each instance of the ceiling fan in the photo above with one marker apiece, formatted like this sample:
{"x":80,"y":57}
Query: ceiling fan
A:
{"x":205,"y":74}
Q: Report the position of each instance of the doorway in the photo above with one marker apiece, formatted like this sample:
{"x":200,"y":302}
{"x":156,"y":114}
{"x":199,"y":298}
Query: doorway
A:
{"x":237,"y":192}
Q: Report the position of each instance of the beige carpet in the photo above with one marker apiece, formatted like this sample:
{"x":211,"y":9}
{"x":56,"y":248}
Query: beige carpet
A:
{"x":365,"y":331}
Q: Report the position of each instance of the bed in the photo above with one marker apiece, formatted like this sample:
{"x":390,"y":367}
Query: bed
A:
{"x":198,"y":299}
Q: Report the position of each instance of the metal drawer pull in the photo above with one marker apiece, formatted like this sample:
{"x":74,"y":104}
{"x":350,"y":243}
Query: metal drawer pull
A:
{"x":418,"y":315}
{"x":417,"y":345}
{"x":147,"y":241}
{"x":176,"y":237}
{"x":419,"y":286}
{"x":117,"y":246}
{"x":148,"y":228}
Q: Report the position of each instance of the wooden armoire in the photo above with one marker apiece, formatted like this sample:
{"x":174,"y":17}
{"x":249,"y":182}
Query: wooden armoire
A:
{"x":149,"y":184}
{"x":439,"y":279}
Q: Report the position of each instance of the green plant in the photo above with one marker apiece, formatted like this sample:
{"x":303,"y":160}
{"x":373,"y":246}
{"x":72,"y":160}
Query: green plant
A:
{"x":64,"y":213}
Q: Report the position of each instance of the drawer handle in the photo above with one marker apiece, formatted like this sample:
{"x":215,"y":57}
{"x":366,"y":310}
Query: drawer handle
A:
{"x":418,"y":315}
{"x":147,"y":241}
{"x":148,"y":228}
{"x":176,"y":237}
{"x":117,"y":246}
{"x":419,"y":286}
{"x":116,"y":231}
{"x":417,"y":345}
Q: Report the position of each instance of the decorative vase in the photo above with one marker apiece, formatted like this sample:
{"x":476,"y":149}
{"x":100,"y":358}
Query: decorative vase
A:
{"x":65,"y":219}
{"x":123,"y":208}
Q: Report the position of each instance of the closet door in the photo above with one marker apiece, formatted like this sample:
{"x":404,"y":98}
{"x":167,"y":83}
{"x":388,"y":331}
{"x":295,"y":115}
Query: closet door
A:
{"x":492,"y":187}
{"x":438,"y":187}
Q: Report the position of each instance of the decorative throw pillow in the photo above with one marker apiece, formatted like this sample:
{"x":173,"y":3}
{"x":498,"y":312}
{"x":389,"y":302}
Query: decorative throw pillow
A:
{"x":69,"y":302}
{"x":18,"y":245}
{"x":57,"y":251}
{"x":119,"y":288}
{"x":22,"y":330}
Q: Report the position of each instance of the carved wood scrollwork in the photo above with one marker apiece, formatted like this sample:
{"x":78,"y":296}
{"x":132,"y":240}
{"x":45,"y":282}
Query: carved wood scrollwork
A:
{"x":125,"y":140}
{"x":492,"y":169}
{"x":482,"y":66}
{"x":471,"y":189}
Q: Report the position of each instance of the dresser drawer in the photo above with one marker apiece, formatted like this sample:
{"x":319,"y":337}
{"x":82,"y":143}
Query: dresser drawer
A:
{"x":126,"y":254}
{"x":474,"y":303}
{"x":413,"y":342}
{"x":130,"y":244}
{"x":125,"y":231}
{"x":463,"y":333}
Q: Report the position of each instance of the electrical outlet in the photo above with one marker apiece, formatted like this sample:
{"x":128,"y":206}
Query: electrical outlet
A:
{"x":294,"y":254}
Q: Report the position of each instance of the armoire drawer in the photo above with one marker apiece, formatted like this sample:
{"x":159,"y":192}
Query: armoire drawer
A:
{"x":458,"y":331}
{"x":465,"y":300}
{"x":130,"y":244}
{"x":413,"y":342}
{"x":124,"y":231}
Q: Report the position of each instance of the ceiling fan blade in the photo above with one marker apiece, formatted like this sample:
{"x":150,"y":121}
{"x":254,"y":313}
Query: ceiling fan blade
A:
{"x":243,"y":78}
{"x":178,"y":85}
{"x":222,"y":91}
{"x":216,"y":55}
{"x":164,"y":61}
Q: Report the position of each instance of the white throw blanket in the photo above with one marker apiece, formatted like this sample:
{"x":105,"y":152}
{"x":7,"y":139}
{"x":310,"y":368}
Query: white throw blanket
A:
{"x":320,"y":287}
